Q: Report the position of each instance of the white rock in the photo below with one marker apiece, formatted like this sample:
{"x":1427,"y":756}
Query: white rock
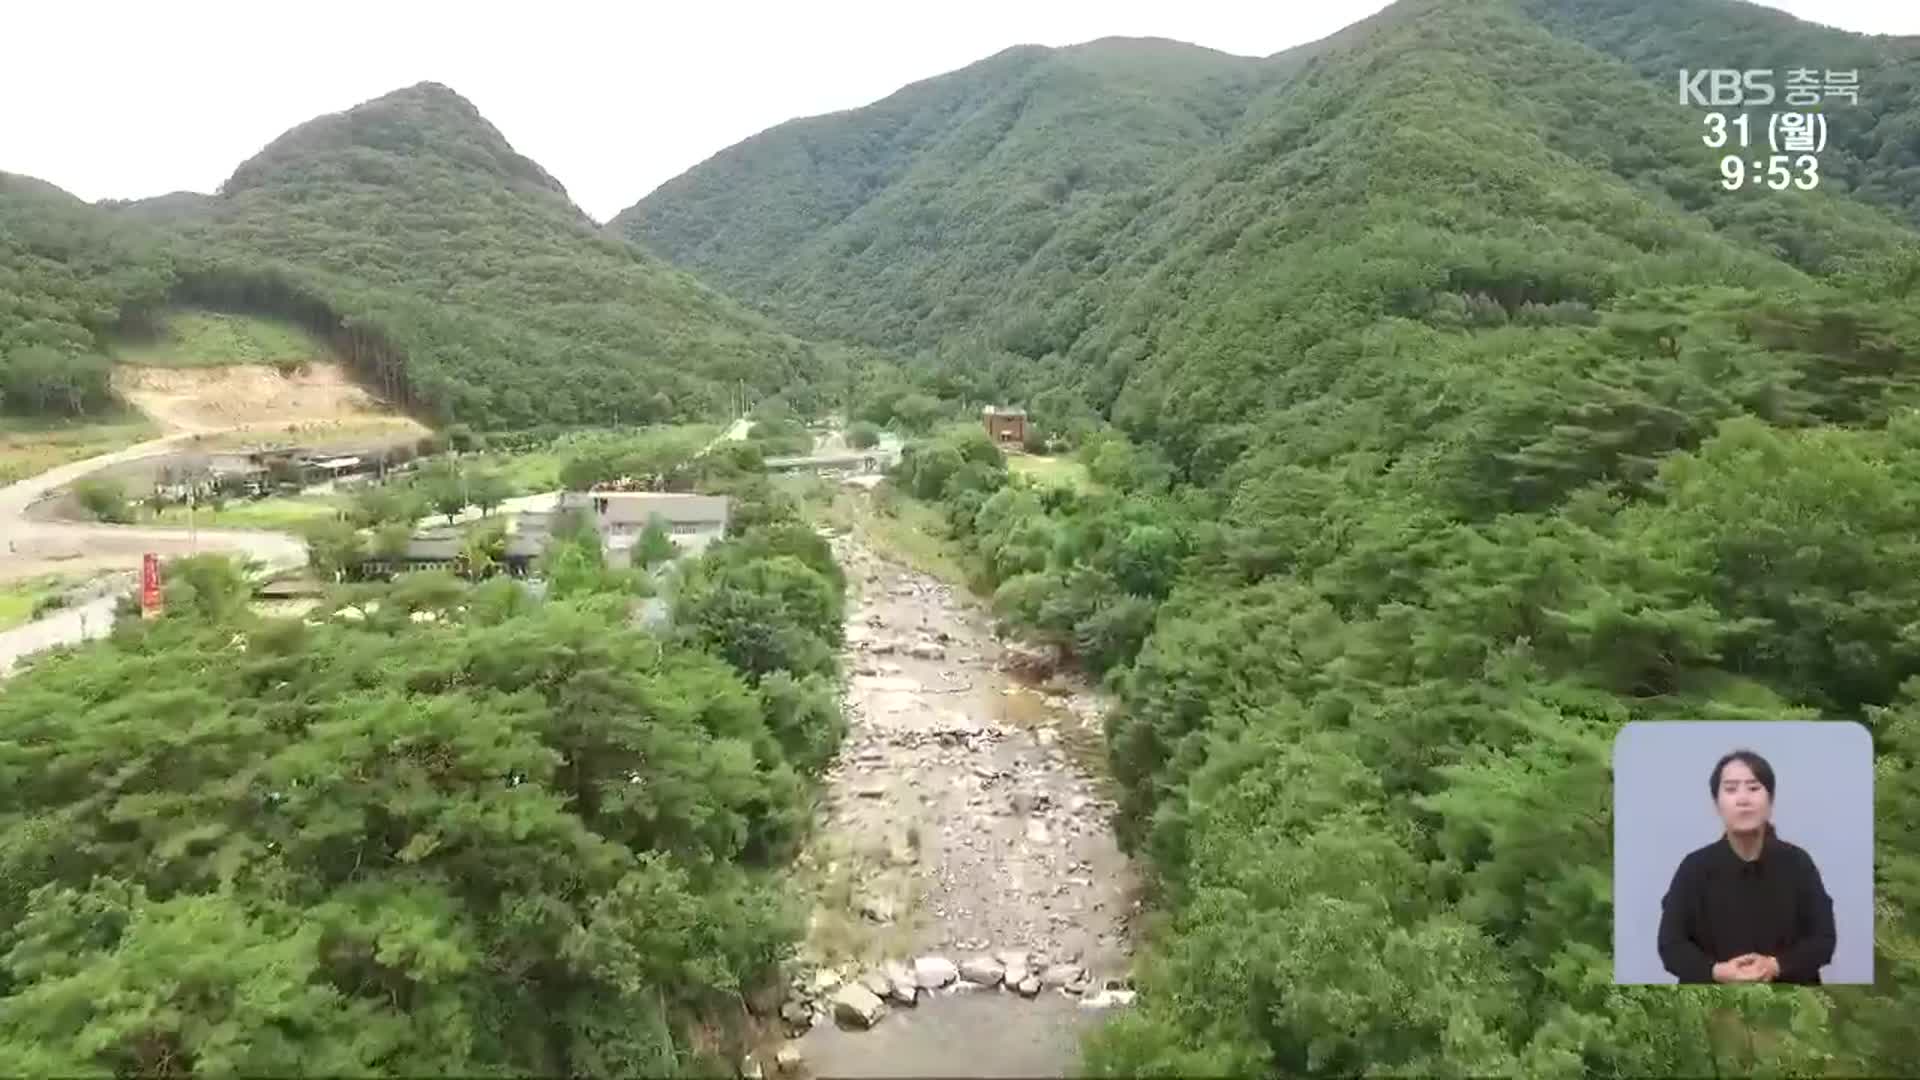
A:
{"x":749,"y":1068}
{"x":856,"y":1005}
{"x":933,"y":972}
{"x":905,"y":989}
{"x":788,"y":1059}
{"x":1037,"y":831}
{"x":1028,"y":986}
{"x":984,"y":970}
{"x":876,"y":983}
{"x":1107,"y":999}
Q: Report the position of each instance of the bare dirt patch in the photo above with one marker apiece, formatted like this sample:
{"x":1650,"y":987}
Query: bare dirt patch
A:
{"x":248,"y":395}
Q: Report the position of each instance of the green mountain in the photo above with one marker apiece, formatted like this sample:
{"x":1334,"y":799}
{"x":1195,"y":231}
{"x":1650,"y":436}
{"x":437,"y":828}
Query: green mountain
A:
{"x":454,"y":273}
{"x":1068,"y":252}
{"x":1446,"y":414}
{"x":923,"y":214}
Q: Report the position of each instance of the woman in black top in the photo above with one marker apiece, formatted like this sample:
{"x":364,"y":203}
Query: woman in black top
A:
{"x":1748,"y":907}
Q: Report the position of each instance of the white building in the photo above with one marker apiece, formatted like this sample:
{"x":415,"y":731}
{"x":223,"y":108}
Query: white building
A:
{"x":691,"y":521}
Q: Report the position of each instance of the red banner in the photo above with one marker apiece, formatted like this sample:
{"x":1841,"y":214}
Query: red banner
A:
{"x":150,"y":585}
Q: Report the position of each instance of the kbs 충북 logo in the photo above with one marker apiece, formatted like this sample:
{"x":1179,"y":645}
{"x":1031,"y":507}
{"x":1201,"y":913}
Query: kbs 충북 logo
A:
{"x":1795,"y":137}
{"x":1748,"y":88}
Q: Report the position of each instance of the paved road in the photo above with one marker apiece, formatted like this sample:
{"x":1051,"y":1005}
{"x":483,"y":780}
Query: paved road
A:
{"x":89,"y":619}
{"x":119,"y":547}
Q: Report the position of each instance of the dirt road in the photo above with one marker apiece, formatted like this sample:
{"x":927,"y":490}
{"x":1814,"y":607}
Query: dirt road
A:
{"x":212,"y":404}
{"x":39,"y":547}
{"x":965,"y":822}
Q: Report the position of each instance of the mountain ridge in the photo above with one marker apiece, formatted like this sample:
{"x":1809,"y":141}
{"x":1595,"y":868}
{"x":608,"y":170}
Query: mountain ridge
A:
{"x":455,"y":273}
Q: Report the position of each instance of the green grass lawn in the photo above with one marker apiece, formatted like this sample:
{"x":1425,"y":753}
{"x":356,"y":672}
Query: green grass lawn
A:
{"x":532,"y":472}
{"x":19,"y":598}
{"x":275,"y":512}
{"x":210,"y":339}
{"x":529,"y":473}
{"x":1059,"y":470}
{"x":32,"y":445}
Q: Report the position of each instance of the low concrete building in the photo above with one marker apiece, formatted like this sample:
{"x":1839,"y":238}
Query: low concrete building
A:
{"x":428,"y":549}
{"x":691,"y":521}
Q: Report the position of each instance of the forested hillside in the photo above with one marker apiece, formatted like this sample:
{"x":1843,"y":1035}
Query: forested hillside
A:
{"x":1533,"y":177}
{"x":1461,"y":418}
{"x":452,"y":272}
{"x":71,"y":281}
{"x":926,"y":213}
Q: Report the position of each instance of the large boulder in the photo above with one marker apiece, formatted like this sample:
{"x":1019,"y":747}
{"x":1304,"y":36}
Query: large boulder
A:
{"x":1063,"y":976}
{"x":856,"y":1006}
{"x":1013,"y":964}
{"x":905,"y":988}
{"x":1033,"y":661}
{"x":934,"y":972}
{"x":984,"y":970}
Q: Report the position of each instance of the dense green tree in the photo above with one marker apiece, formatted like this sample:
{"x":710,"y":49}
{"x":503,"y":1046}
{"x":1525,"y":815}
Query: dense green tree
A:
{"x":43,"y":381}
{"x":487,"y":489}
{"x":862,"y":434}
{"x":916,"y":412}
{"x":446,"y":488}
{"x":655,"y":544}
{"x":764,"y":614}
{"x":522,"y":838}
{"x":105,"y":499}
{"x":388,"y":503}
{"x":334,"y":547}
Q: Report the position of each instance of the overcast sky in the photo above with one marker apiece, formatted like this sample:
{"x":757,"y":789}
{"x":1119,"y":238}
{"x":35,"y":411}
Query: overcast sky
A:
{"x":128,"y":100}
